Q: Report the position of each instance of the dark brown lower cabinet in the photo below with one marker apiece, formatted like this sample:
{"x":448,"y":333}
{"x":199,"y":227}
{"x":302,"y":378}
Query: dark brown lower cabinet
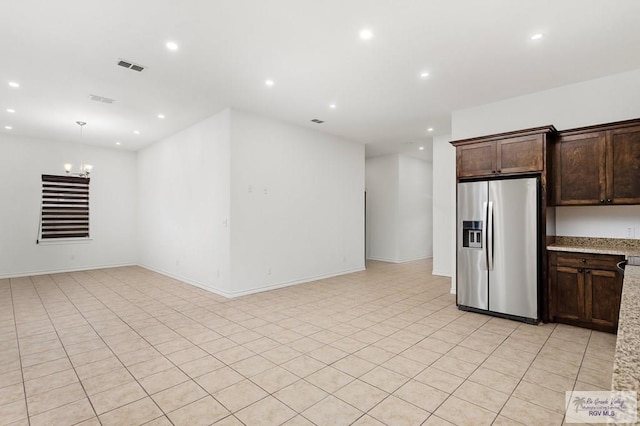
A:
{"x":585,"y":290}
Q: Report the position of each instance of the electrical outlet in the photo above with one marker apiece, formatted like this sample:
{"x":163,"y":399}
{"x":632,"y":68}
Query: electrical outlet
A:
{"x":631,"y":233}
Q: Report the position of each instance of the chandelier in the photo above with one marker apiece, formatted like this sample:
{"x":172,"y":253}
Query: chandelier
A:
{"x":85,"y":169}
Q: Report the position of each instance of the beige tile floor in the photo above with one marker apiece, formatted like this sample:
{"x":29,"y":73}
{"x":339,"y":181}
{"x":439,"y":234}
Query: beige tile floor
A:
{"x":385,"y":346}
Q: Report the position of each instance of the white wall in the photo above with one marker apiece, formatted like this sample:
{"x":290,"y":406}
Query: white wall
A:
{"x":113,"y":192}
{"x":184,"y":204}
{"x":399,"y":208}
{"x":415,"y":209}
{"x":444,"y":208}
{"x":603,"y":100}
{"x":382,"y":181}
{"x":588,"y":221}
{"x":297,"y":204}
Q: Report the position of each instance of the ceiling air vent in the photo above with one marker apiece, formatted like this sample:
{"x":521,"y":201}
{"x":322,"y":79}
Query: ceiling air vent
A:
{"x":315,"y":120}
{"x":101,"y":99}
{"x":130,"y":65}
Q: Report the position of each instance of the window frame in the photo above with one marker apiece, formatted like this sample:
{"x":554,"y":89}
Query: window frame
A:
{"x":64,"y":209}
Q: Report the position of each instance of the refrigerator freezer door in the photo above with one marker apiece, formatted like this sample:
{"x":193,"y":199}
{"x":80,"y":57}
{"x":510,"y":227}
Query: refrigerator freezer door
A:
{"x":513,"y":287}
{"x":472,"y":275}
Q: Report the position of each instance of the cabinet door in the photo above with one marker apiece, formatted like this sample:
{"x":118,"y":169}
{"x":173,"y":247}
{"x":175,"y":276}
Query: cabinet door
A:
{"x":567,"y":288}
{"x":477,"y":159}
{"x":603,"y":291}
{"x":580,"y":169}
{"x":520,"y":155}
{"x":623,"y":166}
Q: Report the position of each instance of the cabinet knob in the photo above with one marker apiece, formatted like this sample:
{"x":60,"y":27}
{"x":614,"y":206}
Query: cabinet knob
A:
{"x":580,"y":270}
{"x":588,"y":271}
{"x":499,"y":171}
{"x":609,"y":200}
{"x":583,"y":260}
{"x":493,"y":171}
{"x":602,"y":201}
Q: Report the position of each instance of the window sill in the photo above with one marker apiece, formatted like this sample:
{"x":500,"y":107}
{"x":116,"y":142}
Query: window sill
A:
{"x":64,"y":241}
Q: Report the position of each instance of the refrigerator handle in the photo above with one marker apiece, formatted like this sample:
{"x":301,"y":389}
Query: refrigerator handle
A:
{"x":486,"y":238}
{"x":490,"y":236}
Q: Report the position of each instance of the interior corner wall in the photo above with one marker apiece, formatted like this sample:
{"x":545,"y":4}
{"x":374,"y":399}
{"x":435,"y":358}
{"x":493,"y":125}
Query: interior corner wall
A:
{"x":382,"y":181}
{"x":184,"y":204}
{"x":399,"y":208}
{"x":603,"y":100}
{"x":297,"y":204}
{"x":444,"y":210}
{"x":113,"y":191}
{"x":415,"y":212}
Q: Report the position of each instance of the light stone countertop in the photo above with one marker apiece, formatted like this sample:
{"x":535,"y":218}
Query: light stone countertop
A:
{"x":615,"y":246}
{"x":626,"y":365}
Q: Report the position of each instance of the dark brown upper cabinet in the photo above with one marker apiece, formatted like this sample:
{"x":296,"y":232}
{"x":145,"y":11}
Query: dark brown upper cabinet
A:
{"x":598,"y":165}
{"x":502,"y":154}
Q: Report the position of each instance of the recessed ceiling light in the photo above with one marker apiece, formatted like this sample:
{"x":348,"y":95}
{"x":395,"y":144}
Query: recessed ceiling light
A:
{"x":172,"y":45}
{"x":536,"y":36}
{"x":8,"y":127}
{"x":430,"y":129}
{"x":366,"y":34}
{"x":332,"y":106}
{"x":421,"y":148}
{"x":269,"y":83}
{"x":136,"y":132}
{"x":14,"y":84}
{"x":11,"y":110}
{"x":424,"y":74}
{"x":118,"y":143}
{"x":161,"y":116}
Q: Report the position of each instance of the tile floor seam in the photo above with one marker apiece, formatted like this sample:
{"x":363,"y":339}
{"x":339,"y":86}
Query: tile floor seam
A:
{"x":148,"y":395}
{"x":403,"y":313}
{"x":207,"y":393}
{"x":65,"y":351}
{"x":13,"y":310}
{"x":522,"y":379}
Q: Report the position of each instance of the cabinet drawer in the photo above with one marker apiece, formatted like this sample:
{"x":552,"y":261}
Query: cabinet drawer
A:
{"x":606,"y":262}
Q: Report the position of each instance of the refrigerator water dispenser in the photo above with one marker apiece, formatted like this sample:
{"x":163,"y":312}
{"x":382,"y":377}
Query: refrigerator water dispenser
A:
{"x":472,"y":233}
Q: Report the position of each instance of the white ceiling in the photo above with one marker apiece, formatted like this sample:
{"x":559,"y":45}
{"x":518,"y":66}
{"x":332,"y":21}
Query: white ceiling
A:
{"x":475,"y":51}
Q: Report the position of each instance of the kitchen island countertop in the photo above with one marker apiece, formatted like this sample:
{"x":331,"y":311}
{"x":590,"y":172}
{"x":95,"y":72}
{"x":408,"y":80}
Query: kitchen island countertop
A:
{"x":626,"y":365}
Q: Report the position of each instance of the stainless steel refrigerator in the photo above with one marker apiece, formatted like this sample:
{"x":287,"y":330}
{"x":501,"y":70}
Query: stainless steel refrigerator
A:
{"x":497,"y":240}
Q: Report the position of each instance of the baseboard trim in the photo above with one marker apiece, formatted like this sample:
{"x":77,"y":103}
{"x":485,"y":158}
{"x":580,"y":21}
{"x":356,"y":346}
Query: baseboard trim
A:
{"x":294,"y":282}
{"x":231,"y":295}
{"x":381,"y":259}
{"x":64,"y":270}
{"x":188,"y":281}
{"x":441,"y":273}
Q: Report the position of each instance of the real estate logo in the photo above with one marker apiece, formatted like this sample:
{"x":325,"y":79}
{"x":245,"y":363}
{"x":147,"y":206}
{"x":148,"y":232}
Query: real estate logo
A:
{"x":601,"y":407}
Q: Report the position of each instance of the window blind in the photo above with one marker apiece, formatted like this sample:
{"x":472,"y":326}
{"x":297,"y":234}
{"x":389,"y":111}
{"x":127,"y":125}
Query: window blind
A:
{"x":65,"y":207}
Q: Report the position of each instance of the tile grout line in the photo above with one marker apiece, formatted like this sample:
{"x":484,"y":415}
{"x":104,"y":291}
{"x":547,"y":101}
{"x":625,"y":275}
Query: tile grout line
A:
{"x":15,"y":324}
{"x":63,"y":346}
{"x":111,"y":350}
{"x":317,"y":322}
